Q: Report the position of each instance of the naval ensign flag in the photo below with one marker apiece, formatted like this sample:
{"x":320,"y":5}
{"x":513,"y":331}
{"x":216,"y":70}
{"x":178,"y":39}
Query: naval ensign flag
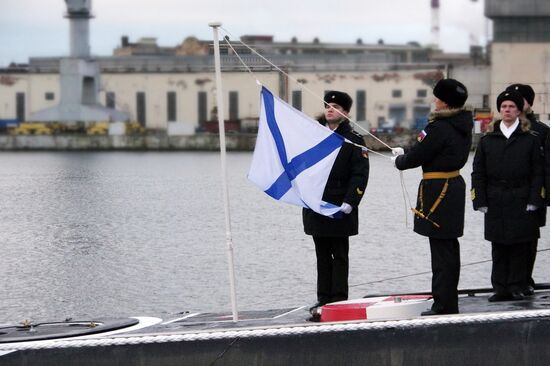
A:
{"x":293,"y":155}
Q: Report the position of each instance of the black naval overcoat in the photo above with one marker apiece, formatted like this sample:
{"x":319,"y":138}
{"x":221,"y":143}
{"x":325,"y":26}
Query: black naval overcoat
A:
{"x":443,"y":146}
{"x":540,"y":130}
{"x":346,"y":183}
{"x":506,"y":177}
{"x":547,"y":169}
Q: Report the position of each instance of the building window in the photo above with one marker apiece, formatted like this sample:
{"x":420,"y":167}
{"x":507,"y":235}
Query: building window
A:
{"x":399,"y":56}
{"x":49,"y":96}
{"x":396,"y":116}
{"x":171,"y":106}
{"x":396,"y":93}
{"x":20,"y":106}
{"x":361,"y":105}
{"x":485,"y":101}
{"x":110,"y":100}
{"x":297,"y":99}
{"x":88,"y":90}
{"x":521,"y":29}
{"x":421,"y":93}
{"x":202,"y":107}
{"x":140,"y":108}
{"x":420,"y":117}
{"x":233,"y":105}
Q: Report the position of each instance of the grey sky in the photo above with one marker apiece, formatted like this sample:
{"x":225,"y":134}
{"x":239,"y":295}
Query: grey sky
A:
{"x":31,"y":28}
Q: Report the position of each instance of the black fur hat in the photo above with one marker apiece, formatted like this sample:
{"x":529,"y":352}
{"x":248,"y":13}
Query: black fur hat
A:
{"x":452,"y":92}
{"x":340,"y":98}
{"x":511,"y":95}
{"x":525,"y":90}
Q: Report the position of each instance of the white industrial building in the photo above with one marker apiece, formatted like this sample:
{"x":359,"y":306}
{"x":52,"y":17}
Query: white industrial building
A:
{"x":173,"y":88}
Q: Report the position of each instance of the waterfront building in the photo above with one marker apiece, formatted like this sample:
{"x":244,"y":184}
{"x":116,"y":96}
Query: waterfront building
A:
{"x":173,"y":88}
{"x":521,"y":48}
{"x":161,"y":87}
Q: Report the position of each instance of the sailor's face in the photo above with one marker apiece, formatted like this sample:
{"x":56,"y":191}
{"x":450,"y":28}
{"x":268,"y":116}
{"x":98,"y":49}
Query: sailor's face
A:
{"x":439,"y":104}
{"x":509,"y":111}
{"x":333,"y":112}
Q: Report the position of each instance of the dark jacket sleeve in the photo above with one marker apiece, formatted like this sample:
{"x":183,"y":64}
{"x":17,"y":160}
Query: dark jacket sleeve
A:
{"x":423,"y":151}
{"x":479,"y":178}
{"x":359,"y":176}
{"x":547,"y":169}
{"x":536,"y":194}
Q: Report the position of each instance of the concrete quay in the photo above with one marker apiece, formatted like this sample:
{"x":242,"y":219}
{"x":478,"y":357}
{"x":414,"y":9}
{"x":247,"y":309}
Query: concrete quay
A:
{"x":161,"y":141}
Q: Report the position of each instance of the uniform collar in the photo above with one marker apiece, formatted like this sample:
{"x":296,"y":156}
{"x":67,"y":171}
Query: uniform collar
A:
{"x":343,"y":126}
{"x":508,"y":131}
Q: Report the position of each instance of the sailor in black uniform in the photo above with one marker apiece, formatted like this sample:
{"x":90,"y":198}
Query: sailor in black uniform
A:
{"x":442,"y":150}
{"x":345,"y":187}
{"x":507,"y":187}
{"x":542,"y":132}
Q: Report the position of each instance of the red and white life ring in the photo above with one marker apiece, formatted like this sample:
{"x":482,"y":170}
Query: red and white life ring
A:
{"x":377,"y":308}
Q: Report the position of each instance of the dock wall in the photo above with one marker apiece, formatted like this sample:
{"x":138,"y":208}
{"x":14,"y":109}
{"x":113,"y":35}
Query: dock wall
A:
{"x":198,"y":142}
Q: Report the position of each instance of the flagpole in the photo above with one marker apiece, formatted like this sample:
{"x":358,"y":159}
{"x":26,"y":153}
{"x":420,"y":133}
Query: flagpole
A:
{"x":219,"y":97}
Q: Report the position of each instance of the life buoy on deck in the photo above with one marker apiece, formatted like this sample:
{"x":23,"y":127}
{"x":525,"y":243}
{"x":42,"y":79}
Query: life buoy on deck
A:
{"x":377,"y":308}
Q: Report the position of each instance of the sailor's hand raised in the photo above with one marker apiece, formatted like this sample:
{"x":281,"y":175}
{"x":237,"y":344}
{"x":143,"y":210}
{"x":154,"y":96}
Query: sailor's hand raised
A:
{"x":531,"y":208}
{"x":346,"y":208}
{"x":393,"y":160}
{"x":396,"y":151}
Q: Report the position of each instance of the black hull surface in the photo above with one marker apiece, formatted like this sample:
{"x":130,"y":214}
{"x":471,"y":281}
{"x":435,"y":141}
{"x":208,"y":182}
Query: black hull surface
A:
{"x":506,"y":333}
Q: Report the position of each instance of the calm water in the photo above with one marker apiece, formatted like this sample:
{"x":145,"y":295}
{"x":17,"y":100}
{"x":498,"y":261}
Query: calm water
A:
{"x":126,"y":234}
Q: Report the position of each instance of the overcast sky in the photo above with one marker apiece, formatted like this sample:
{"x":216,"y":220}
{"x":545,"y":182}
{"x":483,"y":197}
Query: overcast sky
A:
{"x":32,"y":28}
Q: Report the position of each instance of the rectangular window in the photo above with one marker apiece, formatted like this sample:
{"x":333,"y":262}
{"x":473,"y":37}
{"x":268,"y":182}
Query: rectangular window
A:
{"x":140,"y":108}
{"x":88,"y":90}
{"x":297,"y":99}
{"x":202,"y":107}
{"x":485,"y":101}
{"x":233,"y":105}
{"x":396,"y":116}
{"x":521,"y":29}
{"x":20,"y":106}
{"x":420,"y":117}
{"x":361,"y":103}
{"x":421,"y":93}
{"x":110,"y":100}
{"x":171,"y":106}
{"x":49,"y":96}
{"x":396,"y":93}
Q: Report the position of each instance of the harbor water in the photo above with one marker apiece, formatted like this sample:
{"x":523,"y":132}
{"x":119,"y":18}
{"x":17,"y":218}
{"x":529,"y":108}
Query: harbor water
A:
{"x":109,"y":234}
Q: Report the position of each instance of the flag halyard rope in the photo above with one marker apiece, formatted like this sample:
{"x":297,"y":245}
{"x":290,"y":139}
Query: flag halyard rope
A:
{"x":226,"y":38}
{"x":406,"y":197}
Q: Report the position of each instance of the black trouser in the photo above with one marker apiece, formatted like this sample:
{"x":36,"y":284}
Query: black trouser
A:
{"x":445,"y":274}
{"x":332,"y":268}
{"x":510,"y":267}
{"x":531,"y":257}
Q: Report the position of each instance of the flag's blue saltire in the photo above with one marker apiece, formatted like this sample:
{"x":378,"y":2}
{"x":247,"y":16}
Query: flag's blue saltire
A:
{"x":293,"y":155}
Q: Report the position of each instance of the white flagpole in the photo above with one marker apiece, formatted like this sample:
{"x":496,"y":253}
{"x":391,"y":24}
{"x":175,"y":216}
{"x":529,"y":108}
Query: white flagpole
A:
{"x":219,"y":97}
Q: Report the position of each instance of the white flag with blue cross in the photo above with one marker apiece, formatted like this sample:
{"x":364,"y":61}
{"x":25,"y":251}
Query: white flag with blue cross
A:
{"x":294,"y":155}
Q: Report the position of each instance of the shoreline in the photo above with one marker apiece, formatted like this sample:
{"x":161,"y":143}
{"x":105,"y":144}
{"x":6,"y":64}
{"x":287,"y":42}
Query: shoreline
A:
{"x":157,"y":141}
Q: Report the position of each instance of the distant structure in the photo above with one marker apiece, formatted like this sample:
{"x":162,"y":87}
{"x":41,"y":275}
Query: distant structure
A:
{"x":435,"y":23}
{"x":147,"y":46}
{"x":521,"y":48}
{"x":172,"y":89}
{"x":79,"y":76}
